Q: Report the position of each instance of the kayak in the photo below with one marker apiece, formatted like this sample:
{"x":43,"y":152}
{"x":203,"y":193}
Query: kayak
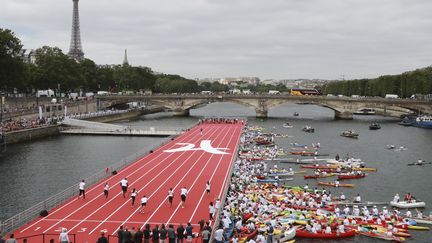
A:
{"x":422,"y":220}
{"x":319,"y":166}
{"x":273,"y":180}
{"x":346,"y":177}
{"x":288,"y":235}
{"x":317,"y":176}
{"x":405,"y":204}
{"x":322,"y":183}
{"x":382,"y":236}
{"x":415,"y":227}
{"x":322,"y":235}
{"x":365,"y":169}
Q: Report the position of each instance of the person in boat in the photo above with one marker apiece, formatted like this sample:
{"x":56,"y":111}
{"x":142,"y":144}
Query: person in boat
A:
{"x":391,"y":146}
{"x":357,"y":199}
{"x":408,"y":214}
{"x":409,"y":197}
{"x":342,"y":196}
{"x":337,"y":157}
{"x":396,"y":198}
{"x":337,"y":183}
{"x":419,"y":162}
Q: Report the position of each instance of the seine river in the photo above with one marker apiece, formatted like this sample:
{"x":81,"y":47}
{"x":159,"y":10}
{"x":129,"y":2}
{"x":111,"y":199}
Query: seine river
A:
{"x":32,"y":171}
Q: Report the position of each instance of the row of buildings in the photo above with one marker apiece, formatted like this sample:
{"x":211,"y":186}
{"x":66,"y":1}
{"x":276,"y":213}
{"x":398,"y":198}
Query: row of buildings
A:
{"x":290,"y":83}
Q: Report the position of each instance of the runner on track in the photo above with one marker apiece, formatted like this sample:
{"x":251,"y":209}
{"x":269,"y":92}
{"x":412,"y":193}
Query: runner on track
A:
{"x":170,"y":197}
{"x":208,"y":188}
{"x":201,"y":131}
{"x":143,"y":203}
{"x":124,"y":185}
{"x":211,"y":210}
{"x":183,"y":193}
{"x":106,"y":190}
{"x":82,"y":189}
{"x":134,"y":193}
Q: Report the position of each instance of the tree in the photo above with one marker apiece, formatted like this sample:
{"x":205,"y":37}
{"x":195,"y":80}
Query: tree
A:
{"x":13,"y":71}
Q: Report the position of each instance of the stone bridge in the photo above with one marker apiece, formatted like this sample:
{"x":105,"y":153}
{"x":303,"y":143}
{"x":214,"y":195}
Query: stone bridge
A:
{"x":262,"y":103}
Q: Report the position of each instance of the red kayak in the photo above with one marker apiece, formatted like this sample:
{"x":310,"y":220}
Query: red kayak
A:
{"x":317,"y":176}
{"x":322,"y":235}
{"x":301,"y":153}
{"x":345,"y":177}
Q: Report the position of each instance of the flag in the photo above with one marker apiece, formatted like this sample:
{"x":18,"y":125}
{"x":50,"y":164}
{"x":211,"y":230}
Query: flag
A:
{"x":40,"y":112}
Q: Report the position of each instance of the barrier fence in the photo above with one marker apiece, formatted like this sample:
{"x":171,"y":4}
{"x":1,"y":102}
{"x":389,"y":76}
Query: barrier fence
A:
{"x":13,"y":223}
{"x":46,"y":238}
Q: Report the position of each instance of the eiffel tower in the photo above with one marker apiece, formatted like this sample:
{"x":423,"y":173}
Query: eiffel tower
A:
{"x":75,"y":50}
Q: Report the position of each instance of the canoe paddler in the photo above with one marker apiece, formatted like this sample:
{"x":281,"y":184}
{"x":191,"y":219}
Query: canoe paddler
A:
{"x":337,"y":183}
{"x":357,"y":199}
{"x":408,"y":197}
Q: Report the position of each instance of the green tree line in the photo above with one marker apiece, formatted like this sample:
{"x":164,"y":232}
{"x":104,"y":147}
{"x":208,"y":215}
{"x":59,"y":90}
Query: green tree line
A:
{"x":406,"y":84}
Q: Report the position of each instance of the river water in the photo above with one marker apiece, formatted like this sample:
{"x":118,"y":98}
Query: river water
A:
{"x":32,"y":171}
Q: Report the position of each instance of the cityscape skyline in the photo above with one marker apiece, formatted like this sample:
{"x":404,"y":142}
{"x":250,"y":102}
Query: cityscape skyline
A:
{"x":203,"y":39}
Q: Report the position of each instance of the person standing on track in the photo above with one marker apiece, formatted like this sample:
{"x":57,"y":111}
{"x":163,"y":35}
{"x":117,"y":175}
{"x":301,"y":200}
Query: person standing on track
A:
{"x":134,"y":193}
{"x":208,"y":188}
{"x":183,"y":193}
{"x":63,"y":237}
{"x":82,"y":189}
{"x":180,"y":234}
{"x":143,"y":203}
{"x":211,"y":210}
{"x":155,"y":234}
{"x":147,"y":233}
{"x":170,"y":197}
{"x":189,"y":232}
{"x":120,"y":234}
{"x":201,"y":131}
{"x":102,"y":239}
{"x":124,"y":185}
{"x":106,"y":190}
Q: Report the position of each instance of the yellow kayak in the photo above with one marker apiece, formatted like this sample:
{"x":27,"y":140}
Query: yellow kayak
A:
{"x":415,"y":227}
{"x":365,"y":169}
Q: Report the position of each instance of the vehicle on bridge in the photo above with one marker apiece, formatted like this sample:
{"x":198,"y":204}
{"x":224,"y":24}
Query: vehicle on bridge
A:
{"x":302,"y":91}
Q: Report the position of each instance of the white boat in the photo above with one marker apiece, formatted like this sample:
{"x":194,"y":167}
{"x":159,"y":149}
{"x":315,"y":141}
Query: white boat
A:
{"x":288,"y":235}
{"x":422,"y":220}
{"x":406,"y":204}
{"x":287,"y":125}
{"x":365,"y":111}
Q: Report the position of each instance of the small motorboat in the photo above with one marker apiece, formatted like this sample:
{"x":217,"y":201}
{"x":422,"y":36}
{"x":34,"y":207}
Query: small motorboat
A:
{"x":406,"y":122}
{"x":308,"y":129}
{"x":296,"y":114}
{"x":349,"y":134}
{"x":374,"y":126}
{"x":287,"y":125}
{"x":407,"y":204}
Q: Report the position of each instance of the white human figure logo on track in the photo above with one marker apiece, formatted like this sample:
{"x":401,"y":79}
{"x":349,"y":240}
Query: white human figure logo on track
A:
{"x":204,"y":145}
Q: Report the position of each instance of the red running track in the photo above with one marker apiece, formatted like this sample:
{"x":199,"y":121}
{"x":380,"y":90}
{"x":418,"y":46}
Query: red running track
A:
{"x":152,"y":176}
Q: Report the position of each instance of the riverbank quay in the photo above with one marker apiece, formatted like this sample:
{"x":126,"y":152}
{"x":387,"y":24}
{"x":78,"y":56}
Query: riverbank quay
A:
{"x":204,"y":153}
{"x":50,"y":130}
{"x":258,"y":210}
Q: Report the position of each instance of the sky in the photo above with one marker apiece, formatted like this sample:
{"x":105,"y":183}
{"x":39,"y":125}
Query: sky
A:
{"x":270,"y":39}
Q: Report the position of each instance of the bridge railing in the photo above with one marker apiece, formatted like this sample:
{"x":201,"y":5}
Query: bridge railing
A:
{"x":15,"y":222}
{"x":96,"y":114}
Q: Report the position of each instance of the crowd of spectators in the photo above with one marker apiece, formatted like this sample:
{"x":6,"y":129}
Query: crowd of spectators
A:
{"x":21,"y":124}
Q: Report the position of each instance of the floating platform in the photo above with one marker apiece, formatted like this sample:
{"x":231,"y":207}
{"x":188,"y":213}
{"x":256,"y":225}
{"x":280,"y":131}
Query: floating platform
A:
{"x":125,"y":132}
{"x":204,"y":153}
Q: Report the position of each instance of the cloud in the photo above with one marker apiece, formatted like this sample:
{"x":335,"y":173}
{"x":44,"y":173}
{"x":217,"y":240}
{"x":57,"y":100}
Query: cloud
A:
{"x":269,"y":39}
